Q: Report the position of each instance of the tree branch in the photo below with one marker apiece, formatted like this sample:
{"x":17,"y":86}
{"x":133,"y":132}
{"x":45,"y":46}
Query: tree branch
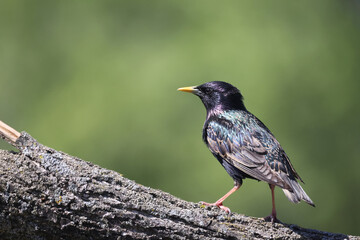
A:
{"x":47,"y":194}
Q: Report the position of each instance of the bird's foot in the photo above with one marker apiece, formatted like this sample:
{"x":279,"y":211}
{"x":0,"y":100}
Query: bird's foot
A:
{"x":272,"y":218}
{"x":218,"y":204}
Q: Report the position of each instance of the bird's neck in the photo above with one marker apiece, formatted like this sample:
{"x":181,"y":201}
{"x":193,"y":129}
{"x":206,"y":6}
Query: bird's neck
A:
{"x":221,"y":103}
{"x":214,"y":111}
{"x":217,"y":110}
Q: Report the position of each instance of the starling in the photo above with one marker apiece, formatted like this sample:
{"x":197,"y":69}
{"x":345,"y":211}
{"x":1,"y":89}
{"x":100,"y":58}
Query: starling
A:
{"x":243,"y":145}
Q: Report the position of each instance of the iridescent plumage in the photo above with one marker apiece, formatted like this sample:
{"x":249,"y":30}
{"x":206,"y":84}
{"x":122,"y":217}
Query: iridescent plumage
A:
{"x":243,"y":145}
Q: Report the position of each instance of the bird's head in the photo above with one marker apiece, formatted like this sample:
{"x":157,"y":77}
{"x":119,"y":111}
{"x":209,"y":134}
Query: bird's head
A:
{"x":217,"y":96}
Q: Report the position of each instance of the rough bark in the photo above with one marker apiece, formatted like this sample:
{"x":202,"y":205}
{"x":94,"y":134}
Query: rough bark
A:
{"x":47,"y":194}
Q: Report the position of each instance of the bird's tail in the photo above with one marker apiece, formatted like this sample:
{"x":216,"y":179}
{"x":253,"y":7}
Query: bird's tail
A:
{"x":297,"y":193}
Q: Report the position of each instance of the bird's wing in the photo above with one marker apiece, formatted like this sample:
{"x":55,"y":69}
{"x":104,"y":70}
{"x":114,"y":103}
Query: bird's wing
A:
{"x":255,"y":151}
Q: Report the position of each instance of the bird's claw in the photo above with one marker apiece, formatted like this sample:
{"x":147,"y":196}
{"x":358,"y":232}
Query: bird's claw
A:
{"x":272,"y":219}
{"x":226,"y":209}
{"x":218,"y":204}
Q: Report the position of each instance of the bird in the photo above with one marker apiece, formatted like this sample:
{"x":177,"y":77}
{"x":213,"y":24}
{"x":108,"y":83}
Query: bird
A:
{"x":244,"y":146}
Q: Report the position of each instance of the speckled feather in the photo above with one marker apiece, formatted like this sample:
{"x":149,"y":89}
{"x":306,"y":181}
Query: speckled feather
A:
{"x":239,"y":138}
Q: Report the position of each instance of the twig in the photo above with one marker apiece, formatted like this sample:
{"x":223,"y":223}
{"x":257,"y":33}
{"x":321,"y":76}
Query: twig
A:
{"x":8,"y":133}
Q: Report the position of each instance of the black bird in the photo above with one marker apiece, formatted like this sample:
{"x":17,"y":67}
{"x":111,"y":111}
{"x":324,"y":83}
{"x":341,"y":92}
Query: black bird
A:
{"x":243,"y":145}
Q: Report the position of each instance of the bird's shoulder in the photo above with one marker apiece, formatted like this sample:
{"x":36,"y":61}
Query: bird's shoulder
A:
{"x":238,"y":124}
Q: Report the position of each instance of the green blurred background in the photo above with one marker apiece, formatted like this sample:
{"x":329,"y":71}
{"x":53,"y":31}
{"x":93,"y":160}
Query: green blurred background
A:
{"x":98,"y":80}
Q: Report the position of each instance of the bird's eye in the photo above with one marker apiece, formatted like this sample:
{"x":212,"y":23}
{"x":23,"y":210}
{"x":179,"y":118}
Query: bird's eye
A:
{"x":206,"y":90}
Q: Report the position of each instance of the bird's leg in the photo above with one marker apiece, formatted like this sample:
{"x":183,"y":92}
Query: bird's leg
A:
{"x":219,"y":202}
{"x":272,"y":217}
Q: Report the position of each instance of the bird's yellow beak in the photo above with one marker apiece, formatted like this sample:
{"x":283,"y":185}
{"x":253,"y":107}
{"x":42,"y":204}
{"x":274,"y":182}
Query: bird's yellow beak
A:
{"x":187,"y":89}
